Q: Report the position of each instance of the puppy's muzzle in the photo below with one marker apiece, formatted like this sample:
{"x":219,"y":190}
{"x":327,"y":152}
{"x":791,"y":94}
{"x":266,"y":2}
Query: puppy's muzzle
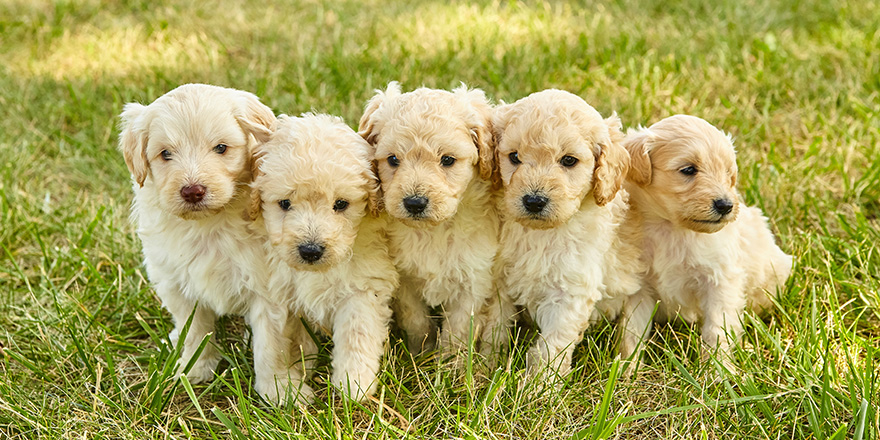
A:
{"x":415,"y":205}
{"x":310,"y":252}
{"x":722,"y":206}
{"x":534,"y":203}
{"x":193,"y":193}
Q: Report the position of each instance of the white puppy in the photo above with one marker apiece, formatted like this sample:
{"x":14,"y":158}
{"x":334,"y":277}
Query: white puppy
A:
{"x":315,"y":199}
{"x":433,"y":157}
{"x":563,"y":256}
{"x":707,"y":254}
{"x":189,"y":153}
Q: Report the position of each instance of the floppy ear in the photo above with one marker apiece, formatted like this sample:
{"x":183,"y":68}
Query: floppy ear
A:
{"x":133,"y":141}
{"x":501,"y":116}
{"x":371,"y":124}
{"x":612,"y":164}
{"x":374,"y":191}
{"x":479,"y":123}
{"x":255,"y":207}
{"x":637,"y":144}
{"x":254,"y":117}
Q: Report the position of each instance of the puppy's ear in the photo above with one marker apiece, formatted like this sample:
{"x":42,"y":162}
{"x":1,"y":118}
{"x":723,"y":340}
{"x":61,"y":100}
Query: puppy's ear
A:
{"x":371,"y":122}
{"x":612,"y":164}
{"x":374,"y":191}
{"x":501,"y":116}
{"x":255,"y":207}
{"x":133,"y":141}
{"x":479,"y":123}
{"x":254,"y":117}
{"x":638,"y":143}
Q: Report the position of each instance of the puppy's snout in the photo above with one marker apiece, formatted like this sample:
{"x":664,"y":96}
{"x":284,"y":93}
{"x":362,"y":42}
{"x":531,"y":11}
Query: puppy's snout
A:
{"x":415,"y":204}
{"x":534,"y":203}
{"x":311,"y":252}
{"x":193,"y":193}
{"x":722,"y":206}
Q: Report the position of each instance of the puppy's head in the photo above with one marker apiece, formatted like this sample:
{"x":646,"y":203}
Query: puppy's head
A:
{"x":686,"y":169}
{"x":555,"y":152}
{"x":313,"y":186}
{"x":428,"y":147}
{"x":192,"y":146}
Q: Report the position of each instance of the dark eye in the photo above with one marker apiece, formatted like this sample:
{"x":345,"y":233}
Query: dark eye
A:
{"x":166,"y":155}
{"x":340,"y":205}
{"x":688,"y":171}
{"x":568,"y":161}
{"x":447,"y":161}
{"x":514,"y":158}
{"x":284,"y":204}
{"x":393,"y":161}
{"x":220,"y":148}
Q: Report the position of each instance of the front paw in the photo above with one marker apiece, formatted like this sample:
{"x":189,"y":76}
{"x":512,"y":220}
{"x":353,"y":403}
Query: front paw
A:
{"x":201,"y":371}
{"x":281,"y":391}
{"x":354,"y":389}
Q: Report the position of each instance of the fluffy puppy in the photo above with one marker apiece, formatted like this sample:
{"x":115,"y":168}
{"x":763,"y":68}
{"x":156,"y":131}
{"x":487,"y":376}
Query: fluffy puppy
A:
{"x":315,"y":200}
{"x":434,"y":160}
{"x":707,"y":254}
{"x":562,"y":255}
{"x":189,"y":154}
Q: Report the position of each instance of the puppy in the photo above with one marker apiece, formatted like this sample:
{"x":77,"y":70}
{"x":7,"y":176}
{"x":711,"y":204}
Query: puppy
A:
{"x":434,"y":160}
{"x":562,"y":257}
{"x":189,"y":154}
{"x":315,"y":200}
{"x":707,"y":254}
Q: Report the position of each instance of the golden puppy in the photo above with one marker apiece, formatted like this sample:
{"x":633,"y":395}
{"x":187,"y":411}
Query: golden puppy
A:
{"x":189,"y":154}
{"x":562,"y":256}
{"x":432,"y":152}
{"x":707,"y":254}
{"x":328,"y":257}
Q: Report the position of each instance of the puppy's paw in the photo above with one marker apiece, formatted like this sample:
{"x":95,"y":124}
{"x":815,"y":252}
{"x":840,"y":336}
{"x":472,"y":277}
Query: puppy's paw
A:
{"x":282,"y":391}
{"x":353,"y":389}
{"x":201,"y":371}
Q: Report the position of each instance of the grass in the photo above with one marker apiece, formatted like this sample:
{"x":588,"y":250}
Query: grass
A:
{"x":796,"y":82}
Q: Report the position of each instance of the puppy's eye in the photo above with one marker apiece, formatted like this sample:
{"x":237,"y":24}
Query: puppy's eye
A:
{"x":220,"y":148}
{"x":688,"y":171}
{"x":514,"y":158}
{"x":393,"y":161}
{"x":340,"y":205}
{"x":284,"y":204}
{"x":166,"y":155}
{"x":447,"y":161}
{"x":569,"y":161}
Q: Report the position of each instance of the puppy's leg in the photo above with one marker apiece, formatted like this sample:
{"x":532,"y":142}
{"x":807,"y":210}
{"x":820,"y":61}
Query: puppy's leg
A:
{"x":562,"y":319}
{"x":203,"y":320}
{"x":360,"y":329}
{"x":305,"y":350}
{"x":723,"y":306}
{"x":461,"y":315}
{"x":636,"y":323}
{"x":411,"y":314}
{"x":273,"y":328}
{"x":498,"y":315}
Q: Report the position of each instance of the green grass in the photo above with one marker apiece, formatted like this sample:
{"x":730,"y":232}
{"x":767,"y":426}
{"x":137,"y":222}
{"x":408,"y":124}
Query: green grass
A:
{"x":796,"y":82}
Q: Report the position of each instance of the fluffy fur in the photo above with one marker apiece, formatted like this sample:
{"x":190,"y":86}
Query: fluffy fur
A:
{"x":199,"y":255}
{"x":315,"y":200}
{"x":703,"y":264}
{"x":434,"y":146}
{"x":566,"y":258}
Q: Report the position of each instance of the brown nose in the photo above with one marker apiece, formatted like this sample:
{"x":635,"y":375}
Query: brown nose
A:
{"x":192,"y":193}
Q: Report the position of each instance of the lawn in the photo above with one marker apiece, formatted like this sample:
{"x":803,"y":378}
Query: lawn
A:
{"x":796,"y":82}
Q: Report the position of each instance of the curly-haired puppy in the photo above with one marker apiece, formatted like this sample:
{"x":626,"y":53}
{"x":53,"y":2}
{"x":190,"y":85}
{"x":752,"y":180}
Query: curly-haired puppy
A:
{"x":707,"y":254}
{"x":189,"y":154}
{"x":316,"y":196}
{"x":562,"y":257}
{"x":433,"y":155}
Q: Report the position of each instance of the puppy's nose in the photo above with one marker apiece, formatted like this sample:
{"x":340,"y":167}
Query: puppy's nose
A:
{"x":534,"y":203}
{"x":193,"y":193}
{"x":311,"y":252}
{"x":722,"y":206}
{"x":415,"y":204}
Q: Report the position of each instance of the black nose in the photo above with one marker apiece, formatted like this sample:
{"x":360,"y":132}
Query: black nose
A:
{"x":722,"y":206}
{"x":311,"y":252}
{"x":534,"y":203}
{"x":193,"y":193}
{"x":415,"y":204}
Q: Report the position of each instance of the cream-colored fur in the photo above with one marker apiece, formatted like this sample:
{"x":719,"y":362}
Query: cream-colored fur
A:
{"x":565,"y":261}
{"x":312,"y":166}
{"x":702,"y":265}
{"x":445,"y":253}
{"x":200,"y":256}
